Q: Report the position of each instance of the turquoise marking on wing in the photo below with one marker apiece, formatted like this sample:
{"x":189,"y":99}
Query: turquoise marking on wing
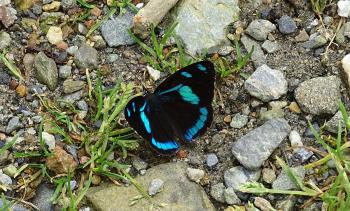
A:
{"x":171,"y":90}
{"x":201,"y":67}
{"x":128,"y":111}
{"x":133,"y":106}
{"x":144,"y":119}
{"x":187,"y":95}
{"x":190,"y":133}
{"x":166,"y":145}
{"x":186,"y":74}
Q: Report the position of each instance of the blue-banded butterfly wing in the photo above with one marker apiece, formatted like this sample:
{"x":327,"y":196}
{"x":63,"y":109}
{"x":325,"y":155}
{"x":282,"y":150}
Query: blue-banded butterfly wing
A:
{"x":179,"y":109}
{"x":199,"y":77}
{"x":150,"y":122}
{"x":186,"y":97}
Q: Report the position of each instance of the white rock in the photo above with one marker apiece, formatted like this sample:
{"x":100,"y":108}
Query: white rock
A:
{"x":155,"y":74}
{"x":195,"y":175}
{"x":295,"y":139}
{"x":54,"y":35}
{"x":49,"y":140}
{"x":344,"y":8}
{"x":345,"y":62}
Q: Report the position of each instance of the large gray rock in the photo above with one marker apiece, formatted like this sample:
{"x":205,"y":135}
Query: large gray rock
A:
{"x":258,"y":58}
{"x":202,"y":24}
{"x":86,"y":57}
{"x":319,"y":95}
{"x":178,"y":192}
{"x":266,"y":84}
{"x":254,"y":148}
{"x":46,"y":70}
{"x":115,"y":31}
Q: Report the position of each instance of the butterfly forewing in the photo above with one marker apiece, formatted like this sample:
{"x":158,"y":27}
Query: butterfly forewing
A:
{"x":179,"y":109}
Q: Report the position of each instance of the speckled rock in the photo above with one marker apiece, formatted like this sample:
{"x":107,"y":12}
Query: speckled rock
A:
{"x":211,"y":18}
{"x":266,"y":84}
{"x":265,"y":140}
{"x":86,"y":57}
{"x":319,"y":95}
{"x":260,"y":28}
{"x":283,"y":182}
{"x":286,"y":25}
{"x":258,"y":58}
{"x":115,"y":31}
{"x":238,"y":175}
{"x":178,"y":192}
{"x":46,"y":70}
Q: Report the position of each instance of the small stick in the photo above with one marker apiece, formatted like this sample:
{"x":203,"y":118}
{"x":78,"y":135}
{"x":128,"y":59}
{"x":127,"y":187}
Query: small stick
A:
{"x":151,"y":15}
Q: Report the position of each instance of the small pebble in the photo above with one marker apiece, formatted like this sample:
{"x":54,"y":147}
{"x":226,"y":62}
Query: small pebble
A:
{"x":263,"y":204}
{"x":239,"y":121}
{"x":268,"y":175}
{"x":10,"y":170}
{"x":294,"y":107}
{"x":5,"y":179}
{"x":212,"y":160}
{"x":295,"y":139}
{"x":195,"y":175}
{"x":155,"y":186}
{"x":286,"y":25}
{"x":49,"y":140}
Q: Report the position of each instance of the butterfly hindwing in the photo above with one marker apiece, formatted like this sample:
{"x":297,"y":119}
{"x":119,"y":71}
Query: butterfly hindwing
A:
{"x":179,"y":109}
{"x":149,"y":122}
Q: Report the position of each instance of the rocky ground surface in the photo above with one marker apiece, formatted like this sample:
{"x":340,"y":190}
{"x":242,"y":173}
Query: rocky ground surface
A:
{"x":294,"y":77}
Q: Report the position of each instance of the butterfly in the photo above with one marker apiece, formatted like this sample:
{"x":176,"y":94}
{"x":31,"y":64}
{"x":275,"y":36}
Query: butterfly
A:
{"x":178,"y":110}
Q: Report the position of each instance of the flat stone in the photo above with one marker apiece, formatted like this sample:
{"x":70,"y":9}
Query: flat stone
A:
{"x":266,"y":84}
{"x":86,"y":57}
{"x":72,"y":98}
{"x":265,"y":140}
{"x":302,"y":36}
{"x":178,"y":192}
{"x":295,"y":139}
{"x":5,"y":179}
{"x":49,"y":140}
{"x":115,"y":31}
{"x":270,"y":47}
{"x":211,"y":18}
{"x":46,"y":70}
{"x":259,"y":29}
{"x":217,"y":192}
{"x":212,"y":160}
{"x":270,"y":114}
{"x":65,"y":71}
{"x":316,"y":40}
{"x":238,"y":175}
{"x":283,"y":182}
{"x":319,"y":95}
{"x":70,"y":86}
{"x":268,"y":175}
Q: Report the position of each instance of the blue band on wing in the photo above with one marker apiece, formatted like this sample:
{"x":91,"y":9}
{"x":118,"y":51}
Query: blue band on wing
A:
{"x":145,"y":119}
{"x":172,"y":89}
{"x":187,"y":95}
{"x":190,"y":133}
{"x":128,"y":111}
{"x":165,"y":145}
{"x":186,"y":74}
{"x":202,"y":68}
{"x":133,"y":106}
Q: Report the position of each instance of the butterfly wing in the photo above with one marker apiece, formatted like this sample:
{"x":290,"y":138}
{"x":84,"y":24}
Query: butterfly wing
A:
{"x":151,"y":123}
{"x":186,"y":98}
{"x":180,"y":108}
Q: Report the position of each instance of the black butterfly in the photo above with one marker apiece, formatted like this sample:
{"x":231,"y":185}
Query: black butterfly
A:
{"x":179,"y":109}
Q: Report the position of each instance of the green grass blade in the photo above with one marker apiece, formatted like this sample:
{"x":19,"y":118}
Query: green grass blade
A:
{"x":13,"y":69}
{"x":99,"y":22}
{"x":142,"y":44}
{"x":85,"y":4}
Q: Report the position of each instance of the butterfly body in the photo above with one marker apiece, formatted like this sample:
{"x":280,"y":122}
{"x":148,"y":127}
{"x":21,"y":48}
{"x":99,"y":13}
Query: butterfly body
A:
{"x":178,"y":110}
